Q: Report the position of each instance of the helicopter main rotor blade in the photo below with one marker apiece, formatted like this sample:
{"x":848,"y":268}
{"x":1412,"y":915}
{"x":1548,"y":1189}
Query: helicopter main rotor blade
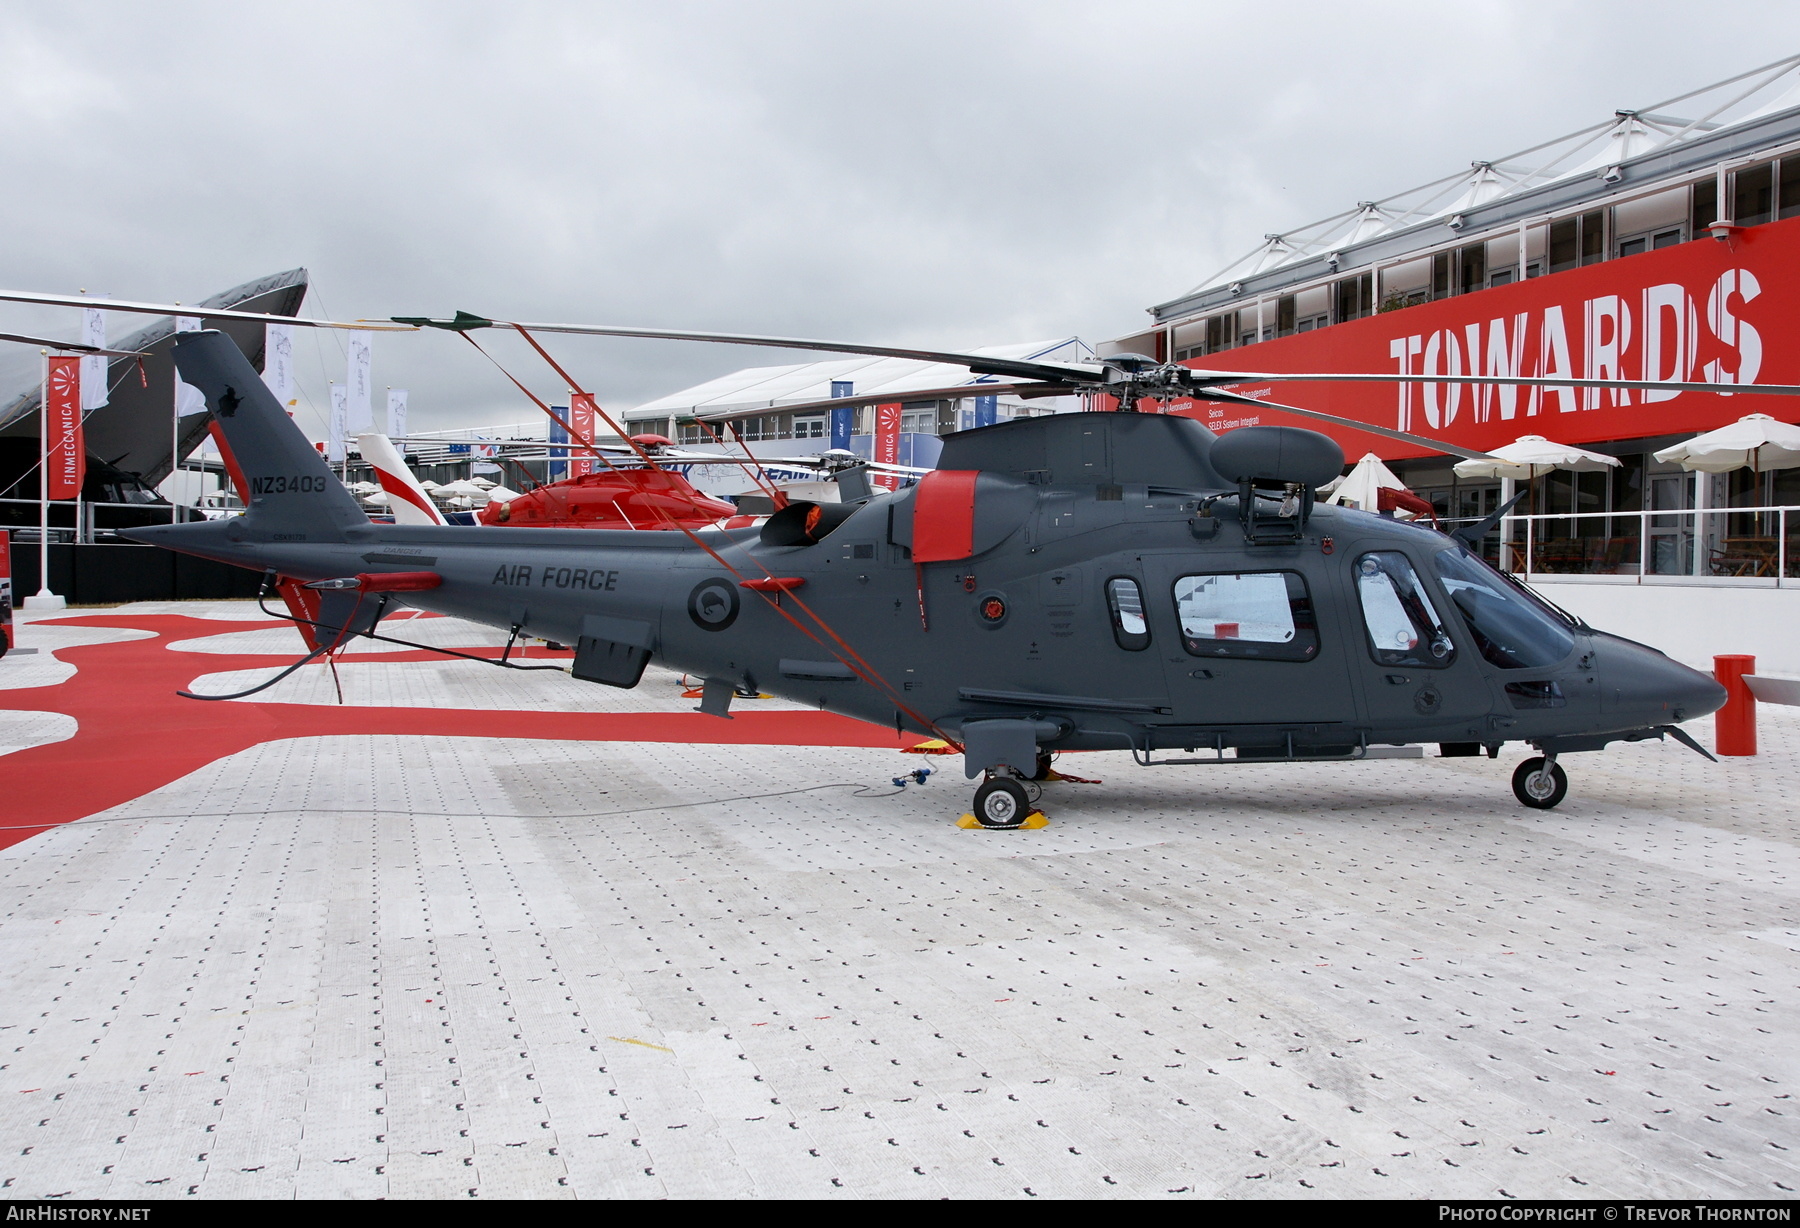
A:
{"x":195,"y":309}
{"x":1435,"y":445}
{"x":1213,"y":379}
{"x":47,"y":343}
{"x":980,"y":364}
{"x":955,"y":392}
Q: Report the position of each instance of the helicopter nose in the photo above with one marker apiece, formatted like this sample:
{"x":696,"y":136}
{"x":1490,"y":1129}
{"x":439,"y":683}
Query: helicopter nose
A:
{"x":1638,"y":680}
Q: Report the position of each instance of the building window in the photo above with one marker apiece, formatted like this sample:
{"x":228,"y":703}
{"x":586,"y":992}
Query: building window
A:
{"x":1705,"y":209}
{"x":1285,"y":319}
{"x":1593,"y":237}
{"x":809,"y":428}
{"x":1753,"y":195}
{"x":1354,"y":298}
{"x":1787,"y":196}
{"x":1259,"y":615}
{"x":1577,"y":241}
{"x":1650,"y":242}
{"x":1471,"y":268}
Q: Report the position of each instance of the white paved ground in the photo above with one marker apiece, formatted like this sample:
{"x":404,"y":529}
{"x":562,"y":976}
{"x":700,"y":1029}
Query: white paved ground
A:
{"x":393,"y":966}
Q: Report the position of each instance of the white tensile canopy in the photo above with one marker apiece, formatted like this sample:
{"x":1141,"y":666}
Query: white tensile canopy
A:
{"x":1358,"y":487}
{"x":1755,"y":441}
{"x":1531,"y":456}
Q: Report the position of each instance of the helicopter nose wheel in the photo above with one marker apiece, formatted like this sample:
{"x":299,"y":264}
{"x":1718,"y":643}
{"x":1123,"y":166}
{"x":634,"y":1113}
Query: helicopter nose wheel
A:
{"x":1540,"y":783}
{"x":1001,"y":802}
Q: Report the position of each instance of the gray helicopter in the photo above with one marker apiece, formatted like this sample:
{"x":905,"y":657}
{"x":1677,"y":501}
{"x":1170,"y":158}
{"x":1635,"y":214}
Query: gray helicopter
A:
{"x":1087,"y":581}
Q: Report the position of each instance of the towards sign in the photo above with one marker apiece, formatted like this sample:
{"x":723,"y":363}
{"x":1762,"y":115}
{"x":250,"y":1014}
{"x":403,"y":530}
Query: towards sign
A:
{"x":1720,"y":312}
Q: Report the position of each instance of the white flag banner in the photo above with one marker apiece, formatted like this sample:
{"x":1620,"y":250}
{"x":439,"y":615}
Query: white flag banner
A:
{"x":188,"y":399}
{"x":357,"y":381}
{"x":93,"y":367}
{"x":396,"y":418}
{"x":340,"y":410}
{"x":278,"y":362}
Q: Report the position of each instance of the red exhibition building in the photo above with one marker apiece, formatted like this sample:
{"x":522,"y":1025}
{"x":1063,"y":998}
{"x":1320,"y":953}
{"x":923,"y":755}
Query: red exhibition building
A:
{"x":1662,"y":244}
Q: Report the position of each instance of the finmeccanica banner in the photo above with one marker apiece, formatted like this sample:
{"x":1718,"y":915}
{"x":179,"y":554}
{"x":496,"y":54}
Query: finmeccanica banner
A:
{"x":65,"y":452}
{"x":887,"y":441}
{"x":582,"y":412}
{"x":1713,"y":311}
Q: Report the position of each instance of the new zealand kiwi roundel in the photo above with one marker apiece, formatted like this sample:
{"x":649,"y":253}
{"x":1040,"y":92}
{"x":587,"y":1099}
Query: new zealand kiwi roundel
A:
{"x":713,"y":605}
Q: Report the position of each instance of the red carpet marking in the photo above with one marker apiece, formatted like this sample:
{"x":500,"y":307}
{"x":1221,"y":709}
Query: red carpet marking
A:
{"x":137,"y":735}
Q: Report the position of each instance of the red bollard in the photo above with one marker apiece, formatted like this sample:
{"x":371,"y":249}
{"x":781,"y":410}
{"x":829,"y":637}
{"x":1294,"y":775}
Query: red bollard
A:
{"x":1734,"y":725}
{"x":6,"y":601}
{"x":6,"y":591}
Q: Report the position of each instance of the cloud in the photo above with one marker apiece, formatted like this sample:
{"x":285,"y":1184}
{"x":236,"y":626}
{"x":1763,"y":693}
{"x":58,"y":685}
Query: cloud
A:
{"x":953,"y":174}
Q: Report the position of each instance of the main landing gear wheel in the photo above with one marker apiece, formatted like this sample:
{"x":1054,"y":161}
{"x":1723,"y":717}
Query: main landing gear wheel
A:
{"x":1001,"y":802}
{"x":1540,"y":784}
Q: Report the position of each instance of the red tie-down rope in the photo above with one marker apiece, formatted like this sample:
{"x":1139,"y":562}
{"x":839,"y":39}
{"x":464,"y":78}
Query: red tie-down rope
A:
{"x":755,"y":471}
{"x":847,"y":656}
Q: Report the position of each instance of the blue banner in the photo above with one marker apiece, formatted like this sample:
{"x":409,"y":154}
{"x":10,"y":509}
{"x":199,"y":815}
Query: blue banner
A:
{"x":843,"y":421}
{"x":557,"y":470}
{"x":987,"y":411}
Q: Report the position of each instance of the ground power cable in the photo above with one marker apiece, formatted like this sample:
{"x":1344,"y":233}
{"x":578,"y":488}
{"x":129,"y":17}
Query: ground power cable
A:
{"x":862,"y":791}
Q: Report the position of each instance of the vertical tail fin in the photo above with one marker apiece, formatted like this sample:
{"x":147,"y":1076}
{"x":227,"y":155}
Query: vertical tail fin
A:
{"x":290,"y":488}
{"x":406,"y":498}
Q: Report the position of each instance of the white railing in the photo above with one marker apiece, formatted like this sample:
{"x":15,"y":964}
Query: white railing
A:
{"x":1728,"y":546}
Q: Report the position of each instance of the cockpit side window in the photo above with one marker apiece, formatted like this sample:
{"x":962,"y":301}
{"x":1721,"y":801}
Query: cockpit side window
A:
{"x":1512,"y":631}
{"x":1403,"y":625}
{"x":1125,"y":602}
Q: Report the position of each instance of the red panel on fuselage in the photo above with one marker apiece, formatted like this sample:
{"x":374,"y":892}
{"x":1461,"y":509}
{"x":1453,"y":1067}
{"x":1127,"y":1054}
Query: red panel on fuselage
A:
{"x":944,"y":516}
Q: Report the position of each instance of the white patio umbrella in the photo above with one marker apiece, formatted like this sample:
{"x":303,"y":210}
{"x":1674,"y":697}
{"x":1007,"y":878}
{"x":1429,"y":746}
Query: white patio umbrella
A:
{"x":1359,"y":487}
{"x":379,"y":498}
{"x":363,"y":488}
{"x":484,"y":483}
{"x":430,"y":485}
{"x":463,"y":490}
{"x":1532,"y":456}
{"x":500,"y":494}
{"x":1755,"y":441}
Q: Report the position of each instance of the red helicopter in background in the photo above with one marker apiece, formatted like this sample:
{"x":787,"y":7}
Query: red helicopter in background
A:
{"x":617,"y":498}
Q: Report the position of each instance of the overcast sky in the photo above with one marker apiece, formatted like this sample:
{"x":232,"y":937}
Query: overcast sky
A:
{"x":953,"y":174}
